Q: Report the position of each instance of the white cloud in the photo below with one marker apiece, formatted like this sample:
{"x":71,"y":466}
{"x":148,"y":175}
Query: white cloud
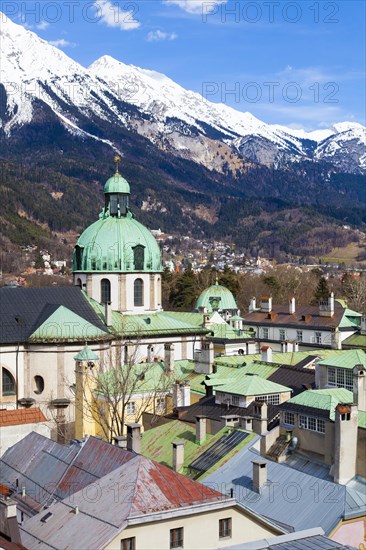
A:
{"x":42,"y":25}
{"x":61,"y":43}
{"x":157,"y":36}
{"x":197,"y":6}
{"x":113,"y":16}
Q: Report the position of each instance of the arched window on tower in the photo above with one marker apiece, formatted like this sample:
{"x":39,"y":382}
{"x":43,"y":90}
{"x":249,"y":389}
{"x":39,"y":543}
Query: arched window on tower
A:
{"x":138,"y":292}
{"x":8,"y":383}
{"x":139,"y":257}
{"x":78,"y":257}
{"x":105,"y":291}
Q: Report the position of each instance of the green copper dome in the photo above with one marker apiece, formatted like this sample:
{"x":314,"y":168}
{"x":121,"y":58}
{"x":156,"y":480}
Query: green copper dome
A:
{"x":117,"y":184}
{"x":216,"y":297}
{"x":115,"y":244}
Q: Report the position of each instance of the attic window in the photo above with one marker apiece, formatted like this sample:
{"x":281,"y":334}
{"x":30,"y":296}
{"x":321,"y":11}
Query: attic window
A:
{"x":46,"y":517}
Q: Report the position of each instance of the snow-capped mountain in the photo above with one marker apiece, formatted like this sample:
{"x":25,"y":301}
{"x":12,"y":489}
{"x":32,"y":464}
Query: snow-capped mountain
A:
{"x":92,"y":102}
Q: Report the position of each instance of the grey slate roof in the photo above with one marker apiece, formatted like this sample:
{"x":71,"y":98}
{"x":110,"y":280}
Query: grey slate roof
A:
{"x":291,"y":497}
{"x":23,"y":310}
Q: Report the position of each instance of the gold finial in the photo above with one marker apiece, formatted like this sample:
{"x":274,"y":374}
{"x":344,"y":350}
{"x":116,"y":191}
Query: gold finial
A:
{"x":117,"y":160}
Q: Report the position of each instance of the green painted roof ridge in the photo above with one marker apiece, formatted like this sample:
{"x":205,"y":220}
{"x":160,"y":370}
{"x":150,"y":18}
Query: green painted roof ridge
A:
{"x":64,"y":318}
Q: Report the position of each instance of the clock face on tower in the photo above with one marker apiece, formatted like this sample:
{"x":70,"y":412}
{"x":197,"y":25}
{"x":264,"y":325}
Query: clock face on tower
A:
{"x":139,"y":257}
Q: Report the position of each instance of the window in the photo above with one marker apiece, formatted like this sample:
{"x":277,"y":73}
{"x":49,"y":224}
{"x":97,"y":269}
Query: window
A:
{"x":299,"y":335}
{"x":273,"y":399}
{"x":138,"y":257}
{"x":346,"y":416}
{"x":128,"y":544}
{"x":289,"y":418}
{"x":318,"y":337}
{"x":78,"y":283}
{"x":340,"y":378}
{"x":113,"y":205}
{"x":105,"y":290}
{"x":312,"y":423}
{"x":235,"y":400}
{"x":39,"y":384}
{"x":160,"y":405}
{"x":225,"y":528}
{"x":138,"y":292}
{"x":78,"y":258}
{"x":176,"y":538}
{"x":282,"y":334}
{"x":265,"y":332}
{"x":131,"y":407}
{"x":8,"y":383}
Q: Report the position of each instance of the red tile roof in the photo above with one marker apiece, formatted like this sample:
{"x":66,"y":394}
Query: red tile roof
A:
{"x":15,"y":417}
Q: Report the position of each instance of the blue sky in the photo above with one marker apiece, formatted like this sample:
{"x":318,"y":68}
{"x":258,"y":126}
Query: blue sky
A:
{"x":298,"y":63}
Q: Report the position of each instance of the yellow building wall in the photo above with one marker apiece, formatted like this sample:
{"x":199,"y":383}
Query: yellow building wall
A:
{"x":201,"y":532}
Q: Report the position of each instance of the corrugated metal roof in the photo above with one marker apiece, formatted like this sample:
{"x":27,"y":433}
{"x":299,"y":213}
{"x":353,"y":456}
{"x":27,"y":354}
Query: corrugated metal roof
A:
{"x":250,"y":384}
{"x":63,"y":325}
{"x":348,"y":360}
{"x":326,"y":399}
{"x":23,"y":310}
{"x":294,"y":377}
{"x":355,"y":340}
{"x":291,"y":497}
{"x":139,"y":486}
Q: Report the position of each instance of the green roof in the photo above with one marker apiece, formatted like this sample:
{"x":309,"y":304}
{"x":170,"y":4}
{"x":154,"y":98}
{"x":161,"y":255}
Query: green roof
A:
{"x":150,"y":377}
{"x":355,"y":340}
{"x":362,"y":419}
{"x":216,"y":296}
{"x":188,"y":317}
{"x":66,"y":326}
{"x":157,"y":444}
{"x":326,"y":399}
{"x":150,"y":324}
{"x":251,"y":384}
{"x":86,"y":354}
{"x":117,"y":184}
{"x":108,"y":245}
{"x":348,"y":360}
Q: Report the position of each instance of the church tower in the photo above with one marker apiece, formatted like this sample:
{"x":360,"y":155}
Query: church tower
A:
{"x":116,"y":259}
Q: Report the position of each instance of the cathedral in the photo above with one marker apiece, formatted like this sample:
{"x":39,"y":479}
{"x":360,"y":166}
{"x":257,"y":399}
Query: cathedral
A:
{"x":114,"y":306}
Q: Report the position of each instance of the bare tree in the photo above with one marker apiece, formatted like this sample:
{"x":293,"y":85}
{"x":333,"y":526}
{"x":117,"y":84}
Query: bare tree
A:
{"x":120,"y":393}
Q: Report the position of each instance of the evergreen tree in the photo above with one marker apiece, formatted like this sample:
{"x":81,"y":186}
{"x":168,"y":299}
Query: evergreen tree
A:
{"x":322,"y":291}
{"x":185,"y":291}
{"x":229,"y":279}
{"x":39,"y":263}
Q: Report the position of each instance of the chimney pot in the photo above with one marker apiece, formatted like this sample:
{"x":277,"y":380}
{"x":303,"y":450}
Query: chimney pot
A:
{"x":134,"y":437}
{"x":178,"y":455}
{"x":259,"y":474}
{"x":201,"y":429}
{"x":108,"y":314}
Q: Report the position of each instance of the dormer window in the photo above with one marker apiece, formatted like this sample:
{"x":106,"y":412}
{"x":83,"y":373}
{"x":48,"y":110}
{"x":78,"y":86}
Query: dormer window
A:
{"x":139,"y":257}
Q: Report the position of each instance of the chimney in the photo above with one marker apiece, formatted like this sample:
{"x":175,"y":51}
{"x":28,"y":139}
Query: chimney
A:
{"x":108,"y":314}
{"x":134,"y":437}
{"x":359,"y":387}
{"x":201,"y":427}
{"x":259,"y":474}
{"x":181,"y":394}
{"x":326,"y":307}
{"x":291,"y":306}
{"x":260,"y":417}
{"x":205,"y":359}
{"x":266,"y":304}
{"x":120,"y":441}
{"x":266,"y":354}
{"x":178,"y":455}
{"x":345,"y":443}
{"x":8,"y":519}
{"x":363,"y":325}
{"x":169,"y":358}
{"x":252,"y":305}
{"x":202,"y":309}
